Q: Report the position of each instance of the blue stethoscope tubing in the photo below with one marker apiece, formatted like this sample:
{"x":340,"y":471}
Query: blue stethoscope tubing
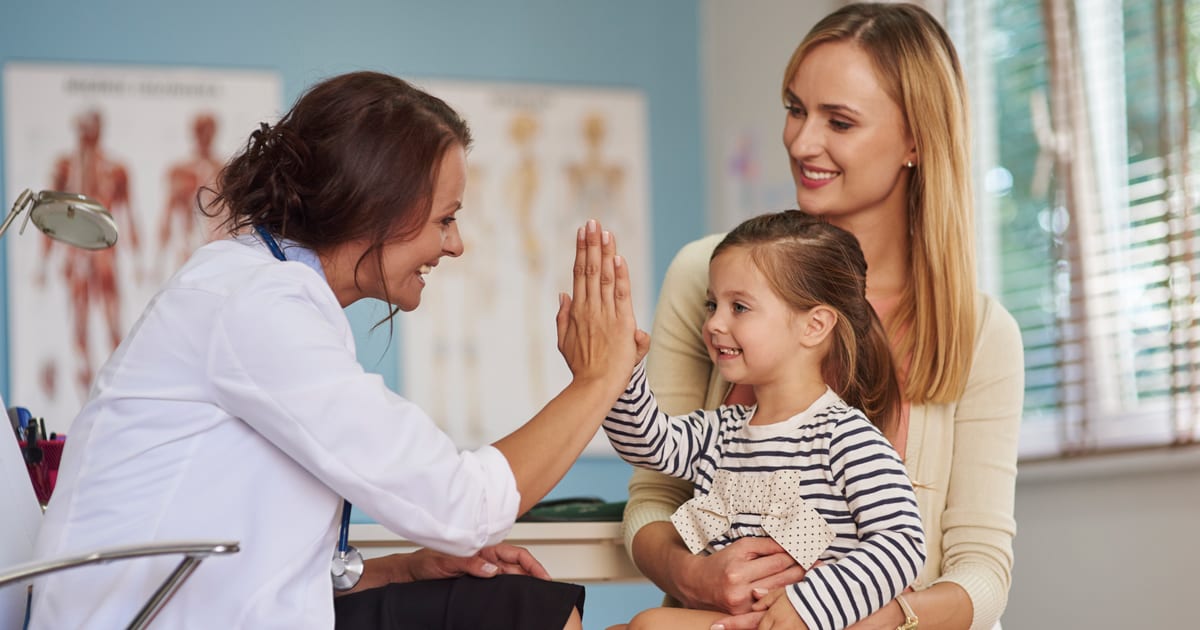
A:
{"x":347,"y":561}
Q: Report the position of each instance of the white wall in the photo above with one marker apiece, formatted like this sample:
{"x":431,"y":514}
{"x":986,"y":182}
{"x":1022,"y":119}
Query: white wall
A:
{"x":745,"y":46}
{"x":1108,"y":542}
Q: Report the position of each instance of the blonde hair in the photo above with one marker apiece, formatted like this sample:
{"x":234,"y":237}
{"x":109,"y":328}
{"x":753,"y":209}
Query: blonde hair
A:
{"x":933,"y":327}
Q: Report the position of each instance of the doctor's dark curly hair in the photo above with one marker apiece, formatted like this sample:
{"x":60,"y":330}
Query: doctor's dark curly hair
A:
{"x":356,"y":158}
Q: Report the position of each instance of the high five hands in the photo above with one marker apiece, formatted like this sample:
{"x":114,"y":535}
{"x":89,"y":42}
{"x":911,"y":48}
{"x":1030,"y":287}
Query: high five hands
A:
{"x":597,"y":330}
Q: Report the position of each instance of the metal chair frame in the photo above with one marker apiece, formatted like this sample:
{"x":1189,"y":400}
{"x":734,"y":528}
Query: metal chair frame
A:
{"x":194,"y":552}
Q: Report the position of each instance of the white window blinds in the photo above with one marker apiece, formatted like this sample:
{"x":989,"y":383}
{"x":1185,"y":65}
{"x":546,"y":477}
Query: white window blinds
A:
{"x":1086,"y":130}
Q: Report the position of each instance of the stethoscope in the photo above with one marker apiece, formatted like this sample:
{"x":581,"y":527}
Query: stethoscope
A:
{"x":347,"y":565}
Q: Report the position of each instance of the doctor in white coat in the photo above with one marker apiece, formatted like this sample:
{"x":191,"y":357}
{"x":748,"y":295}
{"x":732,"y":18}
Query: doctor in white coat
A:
{"x":235,"y":408}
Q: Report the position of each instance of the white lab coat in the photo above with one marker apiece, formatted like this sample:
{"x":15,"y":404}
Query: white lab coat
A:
{"x":235,"y":409}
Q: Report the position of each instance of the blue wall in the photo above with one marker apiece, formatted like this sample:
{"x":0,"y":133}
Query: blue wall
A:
{"x":652,"y":46}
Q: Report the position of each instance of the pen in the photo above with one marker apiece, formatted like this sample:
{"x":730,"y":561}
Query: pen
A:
{"x":32,"y":453}
{"x":15,"y":420}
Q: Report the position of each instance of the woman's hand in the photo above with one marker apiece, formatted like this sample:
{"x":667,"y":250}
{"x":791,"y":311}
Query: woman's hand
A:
{"x":780,"y":614}
{"x":726,"y":580}
{"x":596,"y":324}
{"x":773,"y":612}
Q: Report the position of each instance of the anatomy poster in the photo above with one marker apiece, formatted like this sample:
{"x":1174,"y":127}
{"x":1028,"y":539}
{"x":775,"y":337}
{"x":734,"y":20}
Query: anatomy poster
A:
{"x":141,"y":140}
{"x":480,"y":353}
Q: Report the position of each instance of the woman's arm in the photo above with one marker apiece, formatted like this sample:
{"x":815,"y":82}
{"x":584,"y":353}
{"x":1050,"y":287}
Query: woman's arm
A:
{"x":942,"y":606}
{"x":977,"y":523}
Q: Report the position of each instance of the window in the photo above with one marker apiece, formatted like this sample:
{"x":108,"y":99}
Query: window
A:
{"x":1086,"y":122}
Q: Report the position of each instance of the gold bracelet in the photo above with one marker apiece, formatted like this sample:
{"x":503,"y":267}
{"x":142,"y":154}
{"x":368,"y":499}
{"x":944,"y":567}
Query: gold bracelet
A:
{"x":910,"y":617}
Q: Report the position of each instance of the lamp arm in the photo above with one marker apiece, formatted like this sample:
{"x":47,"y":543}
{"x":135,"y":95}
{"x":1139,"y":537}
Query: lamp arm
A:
{"x":18,"y":206}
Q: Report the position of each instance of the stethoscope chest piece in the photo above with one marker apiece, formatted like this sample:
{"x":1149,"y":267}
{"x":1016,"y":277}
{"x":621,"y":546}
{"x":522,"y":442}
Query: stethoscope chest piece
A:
{"x":347,"y":568}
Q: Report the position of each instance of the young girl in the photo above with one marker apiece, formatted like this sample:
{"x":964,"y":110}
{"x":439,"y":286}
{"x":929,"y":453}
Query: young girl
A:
{"x":788,"y":315}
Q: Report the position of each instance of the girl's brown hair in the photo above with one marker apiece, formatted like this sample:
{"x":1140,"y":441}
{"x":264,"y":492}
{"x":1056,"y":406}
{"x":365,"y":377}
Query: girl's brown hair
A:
{"x":809,"y":262}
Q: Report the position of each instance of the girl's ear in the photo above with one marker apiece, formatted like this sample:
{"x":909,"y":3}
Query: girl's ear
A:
{"x":819,"y":321}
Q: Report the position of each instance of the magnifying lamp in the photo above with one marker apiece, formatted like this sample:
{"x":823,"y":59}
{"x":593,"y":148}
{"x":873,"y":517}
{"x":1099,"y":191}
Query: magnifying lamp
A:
{"x":71,"y":218}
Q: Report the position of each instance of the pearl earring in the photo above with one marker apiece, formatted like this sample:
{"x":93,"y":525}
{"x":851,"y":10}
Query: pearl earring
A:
{"x":909,"y":164}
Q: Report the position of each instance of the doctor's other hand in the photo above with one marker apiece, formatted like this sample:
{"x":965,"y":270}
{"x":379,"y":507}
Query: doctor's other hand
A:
{"x":427,"y":564}
{"x":596,"y":325}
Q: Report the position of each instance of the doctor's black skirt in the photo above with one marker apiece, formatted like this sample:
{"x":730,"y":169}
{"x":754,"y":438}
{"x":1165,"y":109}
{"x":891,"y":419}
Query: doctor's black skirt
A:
{"x":504,"y":602}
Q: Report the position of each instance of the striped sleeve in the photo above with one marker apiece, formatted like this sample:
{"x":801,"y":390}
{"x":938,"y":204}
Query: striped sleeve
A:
{"x":645,"y":436}
{"x":891,"y":548}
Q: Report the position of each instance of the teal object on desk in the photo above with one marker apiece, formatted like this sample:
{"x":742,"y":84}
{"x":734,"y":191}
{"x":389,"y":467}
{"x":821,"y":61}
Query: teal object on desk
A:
{"x":574,"y":509}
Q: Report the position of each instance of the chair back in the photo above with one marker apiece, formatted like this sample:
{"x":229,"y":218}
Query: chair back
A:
{"x":18,"y":527}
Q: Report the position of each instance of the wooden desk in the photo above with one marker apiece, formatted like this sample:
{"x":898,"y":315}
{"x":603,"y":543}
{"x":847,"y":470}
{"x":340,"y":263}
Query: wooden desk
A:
{"x":573,"y":552}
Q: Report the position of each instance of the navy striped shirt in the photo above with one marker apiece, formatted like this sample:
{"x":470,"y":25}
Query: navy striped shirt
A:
{"x":850,"y":474}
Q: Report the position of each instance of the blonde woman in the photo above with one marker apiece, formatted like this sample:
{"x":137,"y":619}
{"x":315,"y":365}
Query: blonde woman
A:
{"x":876,"y":133}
